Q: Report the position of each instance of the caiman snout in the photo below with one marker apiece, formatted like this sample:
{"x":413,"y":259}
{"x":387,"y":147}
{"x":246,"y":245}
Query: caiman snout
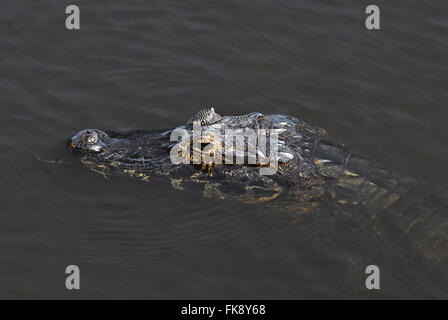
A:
{"x":90,"y":140}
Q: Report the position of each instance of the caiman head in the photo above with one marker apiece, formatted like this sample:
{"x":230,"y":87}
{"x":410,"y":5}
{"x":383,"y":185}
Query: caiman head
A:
{"x":143,"y":151}
{"x":201,"y":153}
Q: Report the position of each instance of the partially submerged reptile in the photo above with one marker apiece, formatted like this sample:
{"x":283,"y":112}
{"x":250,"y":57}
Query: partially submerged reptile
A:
{"x":324,"y":184}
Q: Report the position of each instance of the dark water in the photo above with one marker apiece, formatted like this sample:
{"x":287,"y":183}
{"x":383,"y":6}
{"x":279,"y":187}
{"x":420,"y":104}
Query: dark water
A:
{"x":152,"y":64}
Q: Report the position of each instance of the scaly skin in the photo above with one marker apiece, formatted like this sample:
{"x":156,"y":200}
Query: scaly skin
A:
{"x":325,"y":187}
{"x":405,"y":218}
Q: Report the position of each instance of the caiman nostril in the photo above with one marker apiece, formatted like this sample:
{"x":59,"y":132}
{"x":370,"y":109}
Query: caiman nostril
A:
{"x":92,"y":139}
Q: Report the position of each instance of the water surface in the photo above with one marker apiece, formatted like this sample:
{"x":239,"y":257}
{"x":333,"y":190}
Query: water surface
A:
{"x":139,"y":64}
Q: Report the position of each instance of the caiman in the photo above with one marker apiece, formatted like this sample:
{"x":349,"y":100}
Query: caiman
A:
{"x":324,"y":185}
